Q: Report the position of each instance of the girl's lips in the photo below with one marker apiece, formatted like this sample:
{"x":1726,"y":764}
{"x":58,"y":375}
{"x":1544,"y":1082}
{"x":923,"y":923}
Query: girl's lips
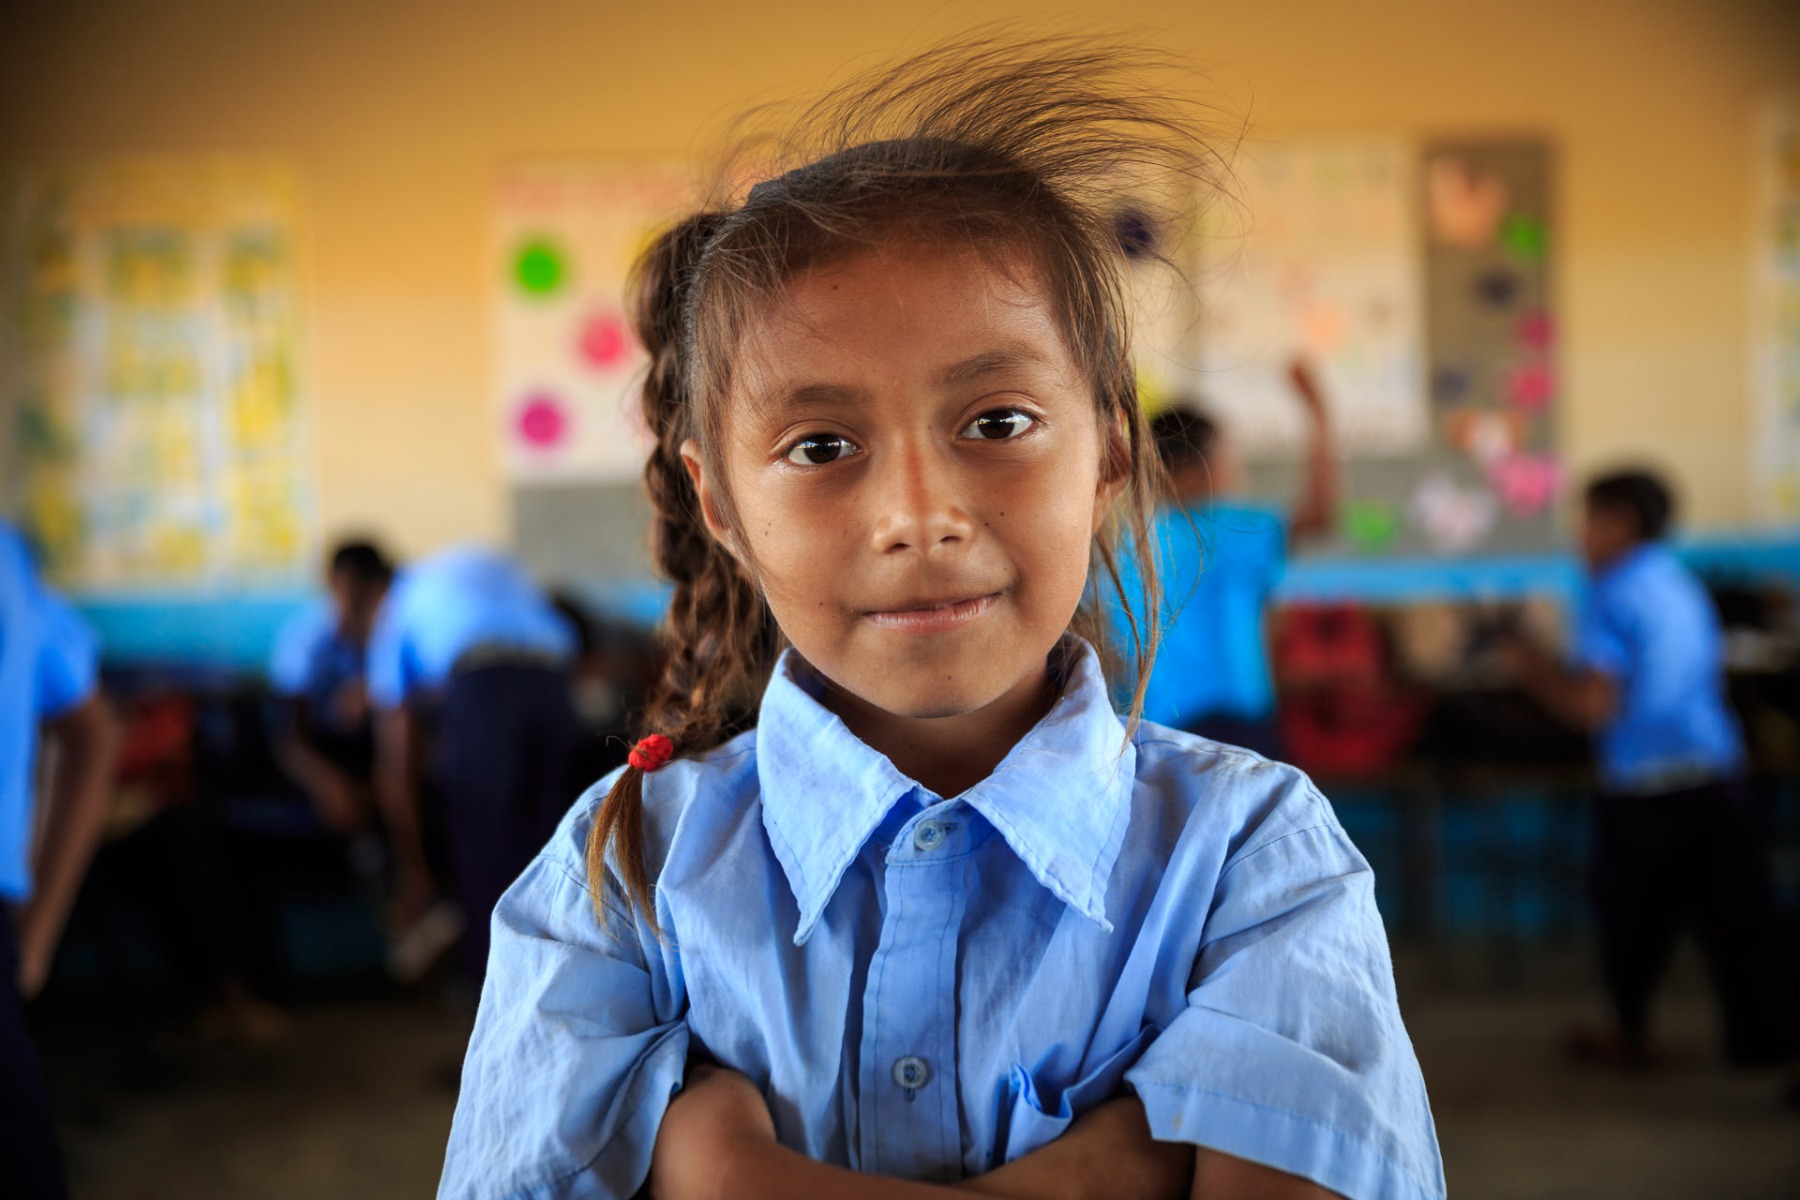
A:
{"x":933,"y":617}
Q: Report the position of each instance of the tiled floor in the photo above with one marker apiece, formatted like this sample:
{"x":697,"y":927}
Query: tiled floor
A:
{"x":355,"y":1105}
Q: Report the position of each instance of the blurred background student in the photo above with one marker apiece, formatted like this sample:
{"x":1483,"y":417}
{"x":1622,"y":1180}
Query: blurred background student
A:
{"x":469,"y":668}
{"x":1221,"y":555}
{"x":328,"y":743}
{"x":48,"y":684}
{"x":1678,"y":836}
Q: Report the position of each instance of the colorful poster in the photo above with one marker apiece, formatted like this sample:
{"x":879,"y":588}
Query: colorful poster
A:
{"x":566,"y":364}
{"x":1775,"y":313}
{"x":1317,"y":256}
{"x":152,"y":423}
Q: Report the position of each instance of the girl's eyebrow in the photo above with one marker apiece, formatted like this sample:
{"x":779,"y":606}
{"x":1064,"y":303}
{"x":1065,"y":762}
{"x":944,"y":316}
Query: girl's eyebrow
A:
{"x":989,"y":362}
{"x":1005,"y":357}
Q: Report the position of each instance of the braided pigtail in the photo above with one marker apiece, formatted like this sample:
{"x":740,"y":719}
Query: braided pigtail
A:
{"x":719,"y":639}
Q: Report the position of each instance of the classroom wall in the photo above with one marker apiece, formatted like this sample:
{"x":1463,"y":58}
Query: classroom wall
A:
{"x":397,"y":113}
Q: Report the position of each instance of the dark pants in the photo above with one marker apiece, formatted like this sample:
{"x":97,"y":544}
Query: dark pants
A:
{"x":506,"y":736}
{"x":30,"y":1166}
{"x":1700,"y":855}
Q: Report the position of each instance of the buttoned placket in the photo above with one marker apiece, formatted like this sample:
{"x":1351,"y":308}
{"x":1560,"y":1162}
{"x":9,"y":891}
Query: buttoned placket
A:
{"x":909,"y":1120}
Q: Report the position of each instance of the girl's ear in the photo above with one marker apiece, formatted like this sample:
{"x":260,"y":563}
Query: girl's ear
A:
{"x":1115,"y":468}
{"x":710,"y":512}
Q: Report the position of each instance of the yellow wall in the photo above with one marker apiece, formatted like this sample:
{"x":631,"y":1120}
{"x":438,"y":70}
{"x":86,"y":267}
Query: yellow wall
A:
{"x":398,"y":112}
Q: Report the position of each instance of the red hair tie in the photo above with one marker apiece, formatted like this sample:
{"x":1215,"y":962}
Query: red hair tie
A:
{"x":651,"y":752}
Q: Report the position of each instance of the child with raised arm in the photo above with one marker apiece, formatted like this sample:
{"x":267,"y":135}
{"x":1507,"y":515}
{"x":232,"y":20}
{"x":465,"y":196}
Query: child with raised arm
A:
{"x":941,"y":920}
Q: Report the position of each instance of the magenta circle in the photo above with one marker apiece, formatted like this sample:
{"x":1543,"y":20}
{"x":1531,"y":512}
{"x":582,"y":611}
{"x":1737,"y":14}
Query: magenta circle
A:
{"x":543,"y":421}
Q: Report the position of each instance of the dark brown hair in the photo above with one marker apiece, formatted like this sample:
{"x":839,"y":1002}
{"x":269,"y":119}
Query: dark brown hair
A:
{"x":1078,"y":158}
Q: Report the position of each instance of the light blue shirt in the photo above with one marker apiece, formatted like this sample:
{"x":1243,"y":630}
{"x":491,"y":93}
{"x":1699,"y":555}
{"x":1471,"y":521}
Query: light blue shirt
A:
{"x":929,"y":988}
{"x":1217,"y":564}
{"x":49,"y":662}
{"x":1649,"y":625}
{"x":313,"y":662}
{"x":446,"y":605}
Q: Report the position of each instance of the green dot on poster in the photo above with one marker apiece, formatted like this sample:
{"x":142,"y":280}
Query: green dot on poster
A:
{"x":1370,"y":525}
{"x":1524,"y":237}
{"x":539,"y":268}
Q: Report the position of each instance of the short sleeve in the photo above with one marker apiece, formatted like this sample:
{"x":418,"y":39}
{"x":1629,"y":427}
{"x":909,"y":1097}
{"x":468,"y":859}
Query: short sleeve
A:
{"x":1291,"y":1051}
{"x":391,"y":674}
{"x":580,"y":1043}
{"x":68,"y":659}
{"x":1599,"y":640}
{"x":291,"y":663}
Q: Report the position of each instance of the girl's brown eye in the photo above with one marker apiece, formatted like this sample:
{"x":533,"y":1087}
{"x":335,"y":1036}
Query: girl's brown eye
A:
{"x":819,"y":449}
{"x":999,"y":425}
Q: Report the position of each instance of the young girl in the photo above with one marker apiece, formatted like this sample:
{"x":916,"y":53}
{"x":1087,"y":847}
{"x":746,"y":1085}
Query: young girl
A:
{"x":941,"y":919}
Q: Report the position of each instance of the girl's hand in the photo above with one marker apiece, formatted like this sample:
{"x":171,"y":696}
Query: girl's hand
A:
{"x":1106,"y":1153}
{"x":717,"y":1115}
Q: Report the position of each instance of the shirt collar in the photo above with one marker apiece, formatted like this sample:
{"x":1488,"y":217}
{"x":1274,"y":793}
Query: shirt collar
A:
{"x":1061,"y":798}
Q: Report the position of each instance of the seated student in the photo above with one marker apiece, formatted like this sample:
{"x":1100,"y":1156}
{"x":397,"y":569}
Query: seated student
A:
{"x":469,"y":676}
{"x":1678,"y":836}
{"x":1220,"y":557}
{"x":328,"y":747}
{"x":48,"y":671}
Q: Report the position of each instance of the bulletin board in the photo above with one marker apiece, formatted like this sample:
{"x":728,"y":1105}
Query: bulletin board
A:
{"x":1775,"y":312}
{"x":1416,"y":277}
{"x":153,"y":426}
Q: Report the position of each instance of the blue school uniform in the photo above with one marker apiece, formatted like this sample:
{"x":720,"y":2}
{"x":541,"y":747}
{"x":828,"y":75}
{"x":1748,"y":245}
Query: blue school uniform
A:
{"x":443,"y":607}
{"x":1218,"y":564}
{"x":1649,"y":625}
{"x":930,"y":987}
{"x":49,"y":663}
{"x":313,"y":662}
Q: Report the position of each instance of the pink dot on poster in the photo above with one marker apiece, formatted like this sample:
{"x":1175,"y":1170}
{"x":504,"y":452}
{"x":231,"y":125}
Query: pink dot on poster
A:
{"x":604,"y":341}
{"x":543,"y":422}
{"x":1527,"y":483}
{"x":1531,"y":385}
{"x":1536,"y":331}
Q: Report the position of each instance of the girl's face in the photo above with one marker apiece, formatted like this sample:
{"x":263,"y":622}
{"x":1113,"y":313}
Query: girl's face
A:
{"x":915,"y":462}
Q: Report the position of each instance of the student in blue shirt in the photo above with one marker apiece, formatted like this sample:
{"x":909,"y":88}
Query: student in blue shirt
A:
{"x":1219,"y":558}
{"x":48,"y":671}
{"x":319,"y":664}
{"x":1678,"y":836}
{"x":941,"y":919}
{"x":468,"y":673}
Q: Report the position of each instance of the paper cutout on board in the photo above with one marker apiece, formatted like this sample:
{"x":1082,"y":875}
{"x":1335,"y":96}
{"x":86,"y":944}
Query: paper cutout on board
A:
{"x":151,"y":338}
{"x":1454,"y":519}
{"x":1530,"y":386}
{"x":565,"y":336}
{"x":1497,"y":288}
{"x":1525,"y":238}
{"x":1535,"y":331}
{"x":1370,"y":525}
{"x":1321,"y":261}
{"x":1486,"y":437}
{"x":1465,"y":206}
{"x":1449,"y":385}
{"x":1526,"y":483}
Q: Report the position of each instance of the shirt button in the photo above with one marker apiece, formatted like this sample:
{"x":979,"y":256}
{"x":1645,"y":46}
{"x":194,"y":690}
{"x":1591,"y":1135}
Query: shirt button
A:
{"x":928,"y":835}
{"x":911,"y":1073}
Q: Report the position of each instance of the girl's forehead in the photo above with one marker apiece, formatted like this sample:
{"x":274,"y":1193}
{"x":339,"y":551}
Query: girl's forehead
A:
{"x":923,"y":309}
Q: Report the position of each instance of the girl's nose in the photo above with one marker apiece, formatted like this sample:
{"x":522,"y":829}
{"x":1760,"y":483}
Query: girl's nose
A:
{"x":917,"y":503}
